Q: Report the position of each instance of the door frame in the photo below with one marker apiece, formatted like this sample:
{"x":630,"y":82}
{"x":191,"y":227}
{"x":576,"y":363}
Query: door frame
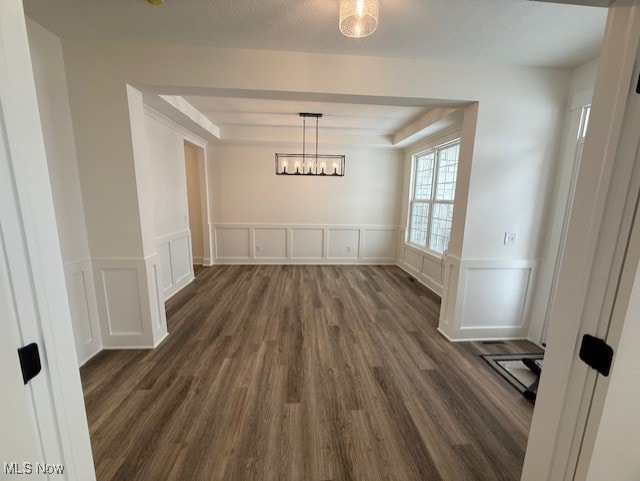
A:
{"x":35,"y":264}
{"x":594,"y":256}
{"x":201,"y":150}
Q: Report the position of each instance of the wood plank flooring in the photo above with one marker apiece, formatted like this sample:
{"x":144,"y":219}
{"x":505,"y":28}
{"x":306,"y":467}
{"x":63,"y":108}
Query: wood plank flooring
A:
{"x":305,"y":373}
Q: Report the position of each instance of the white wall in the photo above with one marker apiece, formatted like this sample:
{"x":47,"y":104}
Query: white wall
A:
{"x":166,"y":150}
{"x":55,"y":116}
{"x":261,"y":217}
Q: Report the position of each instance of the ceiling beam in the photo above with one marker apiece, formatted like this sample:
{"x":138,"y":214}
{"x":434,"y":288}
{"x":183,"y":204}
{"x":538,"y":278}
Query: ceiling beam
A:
{"x":586,"y":3}
{"x":193,"y":114}
{"x":412,"y":131}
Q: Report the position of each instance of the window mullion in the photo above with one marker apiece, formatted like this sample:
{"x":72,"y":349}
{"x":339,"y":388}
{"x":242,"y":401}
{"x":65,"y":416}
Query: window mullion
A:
{"x":436,"y":165}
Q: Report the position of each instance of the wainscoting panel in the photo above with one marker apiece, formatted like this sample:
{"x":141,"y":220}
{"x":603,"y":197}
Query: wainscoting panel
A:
{"x":157,"y":312}
{"x":84,"y":309}
{"x":304,"y":244}
{"x":487,"y":299}
{"x":425,"y":267}
{"x":379,"y":244}
{"x":270,"y":243}
{"x":82,"y":329}
{"x":307,"y":243}
{"x":122,"y":299}
{"x":505,"y":308}
{"x":181,"y":265}
{"x":164,"y":254}
{"x":343,"y":243}
{"x":130,"y":302}
{"x":233,"y":242}
{"x":174,"y":262}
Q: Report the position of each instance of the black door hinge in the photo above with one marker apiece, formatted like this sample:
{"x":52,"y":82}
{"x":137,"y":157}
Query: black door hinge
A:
{"x":596,"y":353}
{"x":29,"y":361}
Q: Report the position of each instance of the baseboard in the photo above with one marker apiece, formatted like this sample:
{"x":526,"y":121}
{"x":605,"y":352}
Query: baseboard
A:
{"x":160,"y":340}
{"x":483,"y":334}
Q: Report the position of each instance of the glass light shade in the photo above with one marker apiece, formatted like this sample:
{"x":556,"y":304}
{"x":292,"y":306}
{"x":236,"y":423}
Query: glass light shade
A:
{"x":358,"y":18}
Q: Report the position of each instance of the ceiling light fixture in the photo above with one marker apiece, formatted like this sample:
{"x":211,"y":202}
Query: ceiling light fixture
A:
{"x":358,"y":18}
{"x":310,"y":164}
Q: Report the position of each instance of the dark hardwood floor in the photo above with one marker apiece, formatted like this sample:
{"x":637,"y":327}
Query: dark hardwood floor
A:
{"x":305,"y":373}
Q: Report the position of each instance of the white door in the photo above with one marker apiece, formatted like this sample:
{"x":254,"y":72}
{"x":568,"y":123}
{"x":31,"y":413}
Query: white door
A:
{"x":610,"y":445}
{"x":19,"y":443}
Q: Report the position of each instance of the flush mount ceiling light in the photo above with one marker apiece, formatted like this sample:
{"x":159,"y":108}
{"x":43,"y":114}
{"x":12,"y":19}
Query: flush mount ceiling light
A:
{"x":358,"y":18}
{"x":309,"y":164}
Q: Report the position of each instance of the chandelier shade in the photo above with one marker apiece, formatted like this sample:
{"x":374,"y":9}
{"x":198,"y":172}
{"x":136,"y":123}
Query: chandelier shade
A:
{"x":358,"y":18}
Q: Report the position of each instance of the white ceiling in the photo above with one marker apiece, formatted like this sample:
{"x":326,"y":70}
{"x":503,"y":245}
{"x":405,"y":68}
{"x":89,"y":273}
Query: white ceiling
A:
{"x":506,"y":32}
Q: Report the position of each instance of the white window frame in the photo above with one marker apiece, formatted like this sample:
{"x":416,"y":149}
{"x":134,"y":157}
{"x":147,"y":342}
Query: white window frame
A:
{"x":431,"y":201}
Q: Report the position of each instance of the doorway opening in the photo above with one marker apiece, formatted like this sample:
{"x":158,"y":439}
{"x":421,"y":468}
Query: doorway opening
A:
{"x":197,"y":202}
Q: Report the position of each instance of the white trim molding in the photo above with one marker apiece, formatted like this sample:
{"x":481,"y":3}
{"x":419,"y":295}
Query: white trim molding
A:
{"x":303,"y":244}
{"x":486,"y":298}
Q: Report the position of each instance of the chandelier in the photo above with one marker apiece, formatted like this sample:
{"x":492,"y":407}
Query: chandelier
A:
{"x":310,"y":163}
{"x":358,"y":18}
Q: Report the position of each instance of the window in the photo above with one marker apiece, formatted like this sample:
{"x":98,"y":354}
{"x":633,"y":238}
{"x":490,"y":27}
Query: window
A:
{"x":432,"y":195}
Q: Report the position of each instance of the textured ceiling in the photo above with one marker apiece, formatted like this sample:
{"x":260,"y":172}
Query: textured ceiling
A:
{"x":506,"y":32}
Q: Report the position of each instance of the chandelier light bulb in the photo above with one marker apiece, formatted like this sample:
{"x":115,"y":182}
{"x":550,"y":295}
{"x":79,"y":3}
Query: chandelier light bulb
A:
{"x":358,"y":18}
